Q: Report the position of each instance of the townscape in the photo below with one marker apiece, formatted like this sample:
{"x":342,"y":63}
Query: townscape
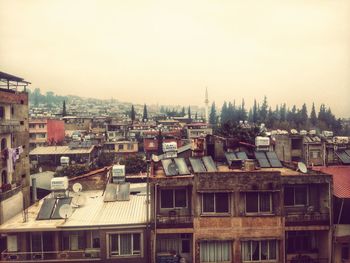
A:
{"x":109,"y":182}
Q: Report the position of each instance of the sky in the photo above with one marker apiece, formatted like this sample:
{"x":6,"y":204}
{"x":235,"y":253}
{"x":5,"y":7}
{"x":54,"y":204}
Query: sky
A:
{"x":168,"y":52}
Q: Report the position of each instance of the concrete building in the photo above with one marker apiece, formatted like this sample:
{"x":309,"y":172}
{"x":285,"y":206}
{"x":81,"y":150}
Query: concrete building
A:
{"x":207,"y":212}
{"x":121,"y":148}
{"x":95,"y":230}
{"x":196,"y":130}
{"x":44,"y":132}
{"x":14,"y":162}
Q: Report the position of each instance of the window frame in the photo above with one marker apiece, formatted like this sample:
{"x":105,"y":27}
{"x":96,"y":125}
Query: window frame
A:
{"x":215,"y":212}
{"x":133,"y":255}
{"x":260,"y":244}
{"x":215,"y":244}
{"x":270,"y":212}
{"x":294,"y":196}
{"x":174,"y":199}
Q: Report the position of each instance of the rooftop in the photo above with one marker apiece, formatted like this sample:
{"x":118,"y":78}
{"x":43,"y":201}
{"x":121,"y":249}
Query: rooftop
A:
{"x":60,"y":150}
{"x":95,"y":213}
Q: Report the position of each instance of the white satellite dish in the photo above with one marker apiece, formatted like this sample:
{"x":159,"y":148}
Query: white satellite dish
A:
{"x":172,"y":169}
{"x":77,"y":187}
{"x":65,"y":211}
{"x":79,"y":200}
{"x":302,"y":167}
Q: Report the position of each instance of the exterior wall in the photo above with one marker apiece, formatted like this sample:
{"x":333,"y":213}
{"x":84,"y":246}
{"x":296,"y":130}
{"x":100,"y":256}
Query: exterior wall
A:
{"x":55,"y":131}
{"x":14,"y":127}
{"x":283,"y":148}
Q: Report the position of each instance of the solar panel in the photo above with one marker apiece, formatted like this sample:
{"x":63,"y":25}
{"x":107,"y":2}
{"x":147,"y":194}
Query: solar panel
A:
{"x":209,"y":164}
{"x":197,"y":165}
{"x":46,"y":209}
{"x":60,"y":202}
{"x":273,"y":159}
{"x":343,"y":157}
{"x":170,"y":168}
{"x":110,"y":194}
{"x":347,"y":152}
{"x":261,"y":157}
{"x":124,"y":192}
{"x":181,"y":164}
{"x":230,"y":156}
{"x":242,"y":155}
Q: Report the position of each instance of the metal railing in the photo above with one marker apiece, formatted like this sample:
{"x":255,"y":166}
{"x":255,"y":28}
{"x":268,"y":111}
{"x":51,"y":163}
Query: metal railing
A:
{"x":58,"y":256}
{"x":8,"y":193}
{"x":308,"y":260}
{"x":174,"y":219}
{"x":308,"y":219}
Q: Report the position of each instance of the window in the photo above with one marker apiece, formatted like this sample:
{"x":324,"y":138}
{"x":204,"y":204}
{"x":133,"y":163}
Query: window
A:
{"x":215,"y":203}
{"x":130,"y":146}
{"x":95,"y":239}
{"x":121,"y":147}
{"x":2,"y":112}
{"x":125,"y":244}
{"x":73,"y":240}
{"x":295,"y":195}
{"x":258,"y":202}
{"x":4,"y":177}
{"x":173,"y":198}
{"x":31,"y":126}
{"x":259,"y":250}
{"x":345,"y":252}
{"x":41,"y":126}
{"x":315,"y":154}
{"x":300,"y":241}
{"x":3,"y":144}
{"x":215,"y":251}
{"x":36,"y":242}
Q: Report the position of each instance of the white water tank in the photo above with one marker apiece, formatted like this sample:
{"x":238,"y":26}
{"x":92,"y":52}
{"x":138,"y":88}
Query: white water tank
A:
{"x":64,"y":160}
{"x":118,"y":173}
{"x":262,"y":141}
{"x":59,"y":183}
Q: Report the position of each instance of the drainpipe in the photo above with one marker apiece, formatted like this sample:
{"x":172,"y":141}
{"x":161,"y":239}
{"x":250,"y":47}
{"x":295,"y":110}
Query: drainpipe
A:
{"x":155,"y":222}
{"x":34,"y":192}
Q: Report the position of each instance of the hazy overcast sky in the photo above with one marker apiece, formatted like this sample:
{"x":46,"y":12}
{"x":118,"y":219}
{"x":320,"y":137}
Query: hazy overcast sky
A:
{"x":167,"y":52}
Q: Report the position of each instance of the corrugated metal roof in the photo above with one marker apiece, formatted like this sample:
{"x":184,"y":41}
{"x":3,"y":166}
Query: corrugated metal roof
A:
{"x":341,"y":179}
{"x":59,"y":150}
{"x":99,"y":213}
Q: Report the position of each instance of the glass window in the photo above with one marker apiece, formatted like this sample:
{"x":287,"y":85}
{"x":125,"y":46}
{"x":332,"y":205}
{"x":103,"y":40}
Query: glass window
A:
{"x":295,"y":195}
{"x":173,"y":198}
{"x":36,"y":242}
{"x":215,"y":203}
{"x":215,"y":251}
{"x":258,"y":202}
{"x":345,"y":252}
{"x":73,"y":240}
{"x":300,"y":241}
{"x":125,"y":244}
{"x":2,"y":112}
{"x":259,"y":250}
{"x":95,"y":239}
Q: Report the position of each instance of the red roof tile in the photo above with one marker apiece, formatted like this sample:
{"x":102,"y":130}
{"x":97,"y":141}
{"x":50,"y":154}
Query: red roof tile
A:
{"x":341,"y":179}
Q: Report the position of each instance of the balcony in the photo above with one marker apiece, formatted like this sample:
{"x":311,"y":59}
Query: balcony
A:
{"x":57,"y":256}
{"x":315,"y":218}
{"x":173,"y":220}
{"x":8,"y":190}
{"x":8,"y":126}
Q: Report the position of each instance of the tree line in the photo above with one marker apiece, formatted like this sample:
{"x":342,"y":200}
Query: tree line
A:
{"x":281,"y":117}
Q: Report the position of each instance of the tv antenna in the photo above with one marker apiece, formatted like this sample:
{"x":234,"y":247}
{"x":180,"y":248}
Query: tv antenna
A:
{"x":65,"y":211}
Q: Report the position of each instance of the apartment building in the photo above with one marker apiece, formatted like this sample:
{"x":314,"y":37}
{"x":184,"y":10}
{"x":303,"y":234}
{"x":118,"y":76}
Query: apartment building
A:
{"x":205,"y":211}
{"x":44,"y":132}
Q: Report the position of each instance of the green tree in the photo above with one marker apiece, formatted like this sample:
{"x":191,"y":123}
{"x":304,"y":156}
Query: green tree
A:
{"x":183,"y":112}
{"x":132,"y":114}
{"x":189,"y":112}
{"x":134,"y":164}
{"x":255,"y":112}
{"x":105,"y":159}
{"x":264,"y":110}
{"x":212,"y":115}
{"x":145,"y":113}
{"x":64,"y":111}
{"x":313,"y":117}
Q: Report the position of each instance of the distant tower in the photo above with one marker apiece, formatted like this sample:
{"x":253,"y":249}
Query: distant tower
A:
{"x":206,"y":102}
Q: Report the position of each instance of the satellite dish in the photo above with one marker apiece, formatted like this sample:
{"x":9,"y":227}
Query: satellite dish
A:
{"x":77,"y":187}
{"x":79,"y":200}
{"x":65,"y":211}
{"x":172,"y":169}
{"x":302,"y":167}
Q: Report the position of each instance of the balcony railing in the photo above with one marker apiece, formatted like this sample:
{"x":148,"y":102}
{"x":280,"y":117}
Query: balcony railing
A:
{"x":307,"y":259}
{"x":7,"y":192}
{"x":8,"y":126}
{"x":314,"y":218}
{"x":58,"y":256}
{"x":175,"y":220}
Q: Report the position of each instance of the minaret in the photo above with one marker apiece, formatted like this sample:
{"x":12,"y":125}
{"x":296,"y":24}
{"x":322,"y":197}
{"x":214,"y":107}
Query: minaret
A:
{"x":206,"y":102}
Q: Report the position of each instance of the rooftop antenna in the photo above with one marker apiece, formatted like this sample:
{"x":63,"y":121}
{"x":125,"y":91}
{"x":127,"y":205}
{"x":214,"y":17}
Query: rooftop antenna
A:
{"x":302,"y":167}
{"x":65,"y":211}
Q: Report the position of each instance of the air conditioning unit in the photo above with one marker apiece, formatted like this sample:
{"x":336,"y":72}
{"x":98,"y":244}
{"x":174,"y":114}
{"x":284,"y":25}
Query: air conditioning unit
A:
{"x":262,"y":141}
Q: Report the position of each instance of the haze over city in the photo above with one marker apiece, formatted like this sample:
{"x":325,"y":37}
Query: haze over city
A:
{"x":168,"y":52}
